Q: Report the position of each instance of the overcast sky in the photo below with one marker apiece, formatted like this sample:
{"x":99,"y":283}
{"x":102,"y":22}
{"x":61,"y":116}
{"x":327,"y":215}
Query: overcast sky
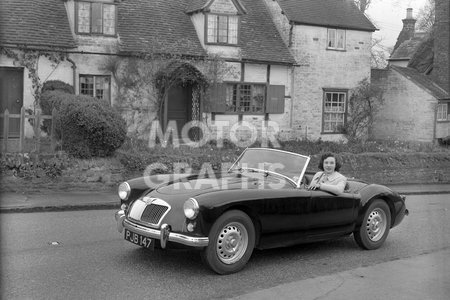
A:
{"x":387,"y":16}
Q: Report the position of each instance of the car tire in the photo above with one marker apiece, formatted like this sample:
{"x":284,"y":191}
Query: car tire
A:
{"x":375,"y":226}
{"x":231,"y":243}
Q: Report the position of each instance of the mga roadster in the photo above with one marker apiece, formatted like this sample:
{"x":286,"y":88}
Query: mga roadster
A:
{"x":261,"y":202}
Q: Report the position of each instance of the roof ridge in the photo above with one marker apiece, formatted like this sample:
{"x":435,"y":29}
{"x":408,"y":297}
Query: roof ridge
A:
{"x":403,"y":70}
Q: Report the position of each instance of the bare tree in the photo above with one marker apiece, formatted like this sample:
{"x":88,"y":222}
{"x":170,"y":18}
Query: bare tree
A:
{"x":365,"y":101}
{"x":425,"y":16}
{"x":363,"y":5}
{"x":378,"y":54}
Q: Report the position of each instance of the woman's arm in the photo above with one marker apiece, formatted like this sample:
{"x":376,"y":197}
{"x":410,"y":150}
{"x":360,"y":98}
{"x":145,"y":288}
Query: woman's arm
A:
{"x":337,"y":188}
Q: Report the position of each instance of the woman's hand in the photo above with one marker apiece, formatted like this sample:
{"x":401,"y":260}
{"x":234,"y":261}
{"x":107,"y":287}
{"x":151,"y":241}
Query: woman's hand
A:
{"x":314,"y":186}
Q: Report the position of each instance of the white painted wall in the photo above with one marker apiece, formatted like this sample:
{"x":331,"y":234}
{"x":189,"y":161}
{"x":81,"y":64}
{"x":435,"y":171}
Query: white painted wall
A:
{"x":47,"y":70}
{"x":277,"y":124}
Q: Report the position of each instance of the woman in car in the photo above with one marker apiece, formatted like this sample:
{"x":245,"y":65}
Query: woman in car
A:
{"x":329,"y":179}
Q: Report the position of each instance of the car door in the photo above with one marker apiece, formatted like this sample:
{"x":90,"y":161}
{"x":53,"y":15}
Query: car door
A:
{"x":285,"y":211}
{"x":332,"y":212}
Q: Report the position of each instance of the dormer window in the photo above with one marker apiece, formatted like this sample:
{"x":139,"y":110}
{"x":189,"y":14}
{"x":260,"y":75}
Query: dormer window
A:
{"x":336,"y":39}
{"x":95,"y":18}
{"x":222,"y":29}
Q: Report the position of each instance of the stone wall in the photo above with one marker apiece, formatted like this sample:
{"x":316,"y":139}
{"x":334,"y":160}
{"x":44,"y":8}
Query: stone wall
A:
{"x":380,"y":168}
{"x":392,"y":168}
{"x":318,"y":69}
{"x":398,"y":119}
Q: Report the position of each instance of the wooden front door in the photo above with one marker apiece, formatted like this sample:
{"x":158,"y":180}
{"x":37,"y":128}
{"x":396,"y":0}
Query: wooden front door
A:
{"x":11,"y":97}
{"x":179,"y":106}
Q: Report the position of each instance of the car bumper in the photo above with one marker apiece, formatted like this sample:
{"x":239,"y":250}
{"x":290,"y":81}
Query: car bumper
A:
{"x":164,"y":235}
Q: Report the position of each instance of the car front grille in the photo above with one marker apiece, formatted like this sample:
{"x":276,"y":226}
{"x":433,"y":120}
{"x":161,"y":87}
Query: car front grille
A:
{"x":148,"y":211}
{"x":153,"y":213}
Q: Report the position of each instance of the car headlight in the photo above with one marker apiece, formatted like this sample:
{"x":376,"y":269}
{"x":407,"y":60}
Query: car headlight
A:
{"x":191,"y":208}
{"x":124,"y":191}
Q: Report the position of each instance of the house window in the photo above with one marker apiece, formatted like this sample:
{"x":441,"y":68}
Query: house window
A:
{"x":96,"y":18}
{"x":334,"y":111}
{"x":222,"y":29}
{"x":442,"y":112}
{"x":96,"y":86}
{"x":245,"y":98}
{"x":336,"y":39}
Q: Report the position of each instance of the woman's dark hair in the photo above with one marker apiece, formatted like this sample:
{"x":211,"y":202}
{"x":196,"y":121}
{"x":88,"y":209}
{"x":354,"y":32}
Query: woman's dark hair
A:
{"x":325,"y":156}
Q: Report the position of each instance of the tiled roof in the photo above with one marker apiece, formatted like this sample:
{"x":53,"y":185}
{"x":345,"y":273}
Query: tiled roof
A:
{"x":157,"y":26}
{"x":406,"y":49}
{"x":165,"y":25}
{"x":196,"y":5}
{"x":259,"y":38}
{"x":422,"y":80}
{"x":422,"y":59}
{"x":40,"y":23}
{"x":330,"y":13}
{"x":143,"y":26}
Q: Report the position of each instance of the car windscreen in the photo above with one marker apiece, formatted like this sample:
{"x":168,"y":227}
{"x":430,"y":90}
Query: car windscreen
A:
{"x":288,"y":164}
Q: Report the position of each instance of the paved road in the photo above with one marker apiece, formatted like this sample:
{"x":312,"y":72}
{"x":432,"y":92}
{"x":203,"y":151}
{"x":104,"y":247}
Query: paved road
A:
{"x":80,"y":255}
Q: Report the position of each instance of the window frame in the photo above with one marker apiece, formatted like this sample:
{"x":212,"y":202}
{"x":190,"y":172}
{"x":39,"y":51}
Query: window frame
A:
{"x":445,"y":106}
{"x":336,"y":38}
{"x":217,"y":42}
{"x":94,"y":86}
{"x":345,"y":113}
{"x":250,"y":112}
{"x":91,"y":32}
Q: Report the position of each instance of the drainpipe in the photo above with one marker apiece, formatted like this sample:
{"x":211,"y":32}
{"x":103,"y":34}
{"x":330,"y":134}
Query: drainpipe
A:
{"x":74,"y":73}
{"x":292,"y":96}
{"x":435,"y":122}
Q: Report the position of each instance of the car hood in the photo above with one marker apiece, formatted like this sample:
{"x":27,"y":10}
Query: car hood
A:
{"x":199,"y":184}
{"x":174,"y":193}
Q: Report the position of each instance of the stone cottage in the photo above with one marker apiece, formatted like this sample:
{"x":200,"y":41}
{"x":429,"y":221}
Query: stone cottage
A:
{"x":416,"y":83}
{"x":289,"y":66}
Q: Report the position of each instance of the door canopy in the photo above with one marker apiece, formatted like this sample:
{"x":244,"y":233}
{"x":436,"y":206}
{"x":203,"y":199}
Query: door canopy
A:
{"x":179,"y":73}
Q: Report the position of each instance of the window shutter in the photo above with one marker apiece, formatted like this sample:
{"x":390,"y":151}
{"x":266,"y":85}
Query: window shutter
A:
{"x":275,"y":99}
{"x":217,"y":99}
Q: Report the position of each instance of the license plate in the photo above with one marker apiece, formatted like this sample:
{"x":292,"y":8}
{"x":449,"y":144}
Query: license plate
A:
{"x":139,"y":239}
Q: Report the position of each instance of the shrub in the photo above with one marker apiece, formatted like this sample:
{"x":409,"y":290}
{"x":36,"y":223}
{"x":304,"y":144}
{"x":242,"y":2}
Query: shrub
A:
{"x":89,"y":127}
{"x":52,"y":99}
{"x":57,"y":85}
{"x":365,"y":101}
{"x":49,"y":100}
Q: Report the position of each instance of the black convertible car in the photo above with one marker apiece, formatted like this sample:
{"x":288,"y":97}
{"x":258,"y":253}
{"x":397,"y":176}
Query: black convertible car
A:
{"x":260,"y":202}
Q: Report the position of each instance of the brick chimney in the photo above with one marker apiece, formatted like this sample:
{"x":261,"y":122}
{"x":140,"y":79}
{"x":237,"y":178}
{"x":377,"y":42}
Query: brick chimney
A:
{"x":409,"y":28}
{"x":441,"y":62}
{"x":409,"y":22}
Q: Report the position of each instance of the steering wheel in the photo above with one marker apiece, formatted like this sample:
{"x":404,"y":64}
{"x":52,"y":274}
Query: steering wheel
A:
{"x":306,"y":180}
